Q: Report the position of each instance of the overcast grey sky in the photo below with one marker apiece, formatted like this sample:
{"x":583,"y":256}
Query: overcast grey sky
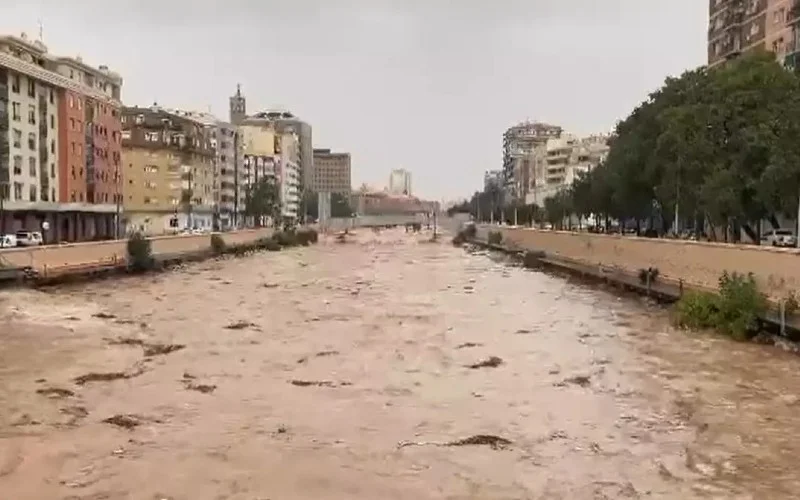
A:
{"x":428,"y":85}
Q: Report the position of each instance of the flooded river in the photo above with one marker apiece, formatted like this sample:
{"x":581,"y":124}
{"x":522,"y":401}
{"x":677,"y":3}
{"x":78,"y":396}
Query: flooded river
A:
{"x":387,"y":368}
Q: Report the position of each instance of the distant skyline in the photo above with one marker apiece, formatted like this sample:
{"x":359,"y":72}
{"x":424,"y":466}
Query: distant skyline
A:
{"x":429,"y":86}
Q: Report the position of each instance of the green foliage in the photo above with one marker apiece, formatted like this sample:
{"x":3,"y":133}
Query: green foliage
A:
{"x":721,"y":143}
{"x":140,"y":253}
{"x":465,"y":235}
{"x":495,"y":237}
{"x":217,"y":244}
{"x":790,"y":304}
{"x":307,"y":236}
{"x":648,"y":275}
{"x":340,"y":206}
{"x":262,"y":200}
{"x":734,"y":310}
{"x":285,"y":238}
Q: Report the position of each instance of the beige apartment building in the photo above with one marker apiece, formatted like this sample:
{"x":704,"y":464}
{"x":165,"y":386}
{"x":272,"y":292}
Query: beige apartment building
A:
{"x":561,"y":161}
{"x":332,"y":172}
{"x":739,"y":26}
{"x":168,"y":171}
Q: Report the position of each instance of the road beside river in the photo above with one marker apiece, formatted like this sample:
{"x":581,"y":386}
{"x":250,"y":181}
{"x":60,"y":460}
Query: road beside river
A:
{"x":361,"y":370}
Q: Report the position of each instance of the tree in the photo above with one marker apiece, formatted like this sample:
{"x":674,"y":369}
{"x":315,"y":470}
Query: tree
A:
{"x":340,"y":206}
{"x":262,"y":200}
{"x":717,"y":145}
{"x":311,"y":204}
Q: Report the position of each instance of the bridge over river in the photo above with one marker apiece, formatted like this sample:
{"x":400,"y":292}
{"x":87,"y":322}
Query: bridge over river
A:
{"x":389,"y":367}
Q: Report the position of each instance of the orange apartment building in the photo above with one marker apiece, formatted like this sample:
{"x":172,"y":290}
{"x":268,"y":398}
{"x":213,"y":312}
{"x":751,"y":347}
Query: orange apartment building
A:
{"x":64,"y":177}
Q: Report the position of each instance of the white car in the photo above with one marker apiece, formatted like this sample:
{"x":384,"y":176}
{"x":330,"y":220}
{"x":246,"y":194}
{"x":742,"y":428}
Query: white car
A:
{"x":779,"y":238}
{"x":29,"y":238}
{"x":8,"y":241}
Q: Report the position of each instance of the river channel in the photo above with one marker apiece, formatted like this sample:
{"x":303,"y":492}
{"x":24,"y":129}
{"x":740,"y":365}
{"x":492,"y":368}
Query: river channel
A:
{"x":385,"y":368}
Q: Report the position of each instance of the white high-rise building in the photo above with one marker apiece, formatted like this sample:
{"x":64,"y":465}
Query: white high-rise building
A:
{"x":400,"y":181}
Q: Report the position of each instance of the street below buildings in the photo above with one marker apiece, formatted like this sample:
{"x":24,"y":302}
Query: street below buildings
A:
{"x":388,"y":367}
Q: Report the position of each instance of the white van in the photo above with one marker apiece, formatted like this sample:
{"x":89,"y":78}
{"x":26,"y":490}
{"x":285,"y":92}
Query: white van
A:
{"x":29,"y":238}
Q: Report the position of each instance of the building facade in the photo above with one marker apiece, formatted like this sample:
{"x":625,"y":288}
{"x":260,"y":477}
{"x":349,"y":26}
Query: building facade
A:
{"x":400,"y":181}
{"x":561,"y":161}
{"x":283,"y":121}
{"x":519,"y":142}
{"x":59,"y":144}
{"x":271,"y":151}
{"x":332,"y":172}
{"x":168,"y":162}
{"x":739,"y":26}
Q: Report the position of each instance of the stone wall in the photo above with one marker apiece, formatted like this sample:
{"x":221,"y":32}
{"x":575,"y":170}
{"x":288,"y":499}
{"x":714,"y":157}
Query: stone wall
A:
{"x":698,"y":264}
{"x":83,"y":254}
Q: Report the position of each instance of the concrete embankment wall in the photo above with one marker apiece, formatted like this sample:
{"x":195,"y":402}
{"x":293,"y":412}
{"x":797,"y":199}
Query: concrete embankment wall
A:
{"x":53,"y":257}
{"x":698,"y":264}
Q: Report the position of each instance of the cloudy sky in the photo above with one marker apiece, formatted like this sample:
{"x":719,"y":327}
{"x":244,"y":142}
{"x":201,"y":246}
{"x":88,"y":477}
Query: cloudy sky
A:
{"x":428,"y":85}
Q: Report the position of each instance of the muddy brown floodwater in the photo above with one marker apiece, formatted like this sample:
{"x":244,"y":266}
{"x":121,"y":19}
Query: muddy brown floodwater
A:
{"x":387,"y":368}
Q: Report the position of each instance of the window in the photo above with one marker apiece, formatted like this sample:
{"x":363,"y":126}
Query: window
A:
{"x":18,"y":191}
{"x":44,"y":194}
{"x":53,"y":173}
{"x":79,"y":103}
{"x":16,"y":111}
{"x":15,"y":84}
{"x":53,"y":146}
{"x":71,"y":101}
{"x":72,"y":123}
{"x":32,"y":192}
{"x":52,"y":101}
{"x":32,"y":166}
{"x":31,"y":87}
{"x":139,"y":119}
{"x":53,"y":194}
{"x":17,"y":165}
{"x":32,"y":141}
{"x":31,"y":114}
{"x":52,"y":121}
{"x":151,"y":136}
{"x":151,"y":169}
{"x":17,"y":135}
{"x":126,"y":135}
{"x":150,"y":184}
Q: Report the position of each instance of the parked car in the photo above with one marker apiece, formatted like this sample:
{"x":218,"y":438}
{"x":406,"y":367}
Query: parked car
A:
{"x":779,"y":238}
{"x":29,"y":238}
{"x":8,"y":241}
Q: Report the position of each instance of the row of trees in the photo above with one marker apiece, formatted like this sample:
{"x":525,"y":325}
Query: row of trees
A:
{"x":712,"y":148}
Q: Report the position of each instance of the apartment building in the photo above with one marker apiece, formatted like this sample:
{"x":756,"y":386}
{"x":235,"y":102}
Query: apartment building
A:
{"x":283,"y":121}
{"x":271,"y":151}
{"x":168,"y":162}
{"x":59,"y":143}
{"x":227,"y":158}
{"x":332,"y":172}
{"x":739,"y":26}
{"x":565,"y":159}
{"x":519,"y":143}
{"x":400,"y":181}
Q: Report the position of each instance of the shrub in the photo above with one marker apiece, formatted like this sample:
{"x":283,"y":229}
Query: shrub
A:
{"x":306,"y":236}
{"x":218,"y":245}
{"x":696,"y":310}
{"x":651,"y":273}
{"x":271,"y":245}
{"x":140,"y":253}
{"x":495,"y":237}
{"x":533,"y":259}
{"x":470,"y":231}
{"x":734,"y":310}
{"x":285,"y":238}
{"x":790,"y":304}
